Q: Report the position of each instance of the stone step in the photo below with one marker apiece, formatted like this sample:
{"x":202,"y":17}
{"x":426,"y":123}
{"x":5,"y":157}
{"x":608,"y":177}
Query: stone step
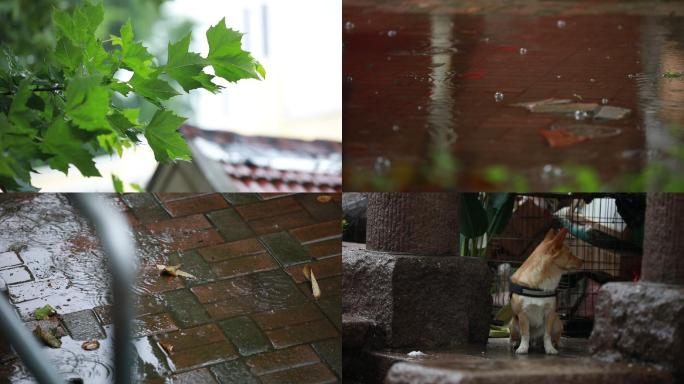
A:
{"x":499,"y":364}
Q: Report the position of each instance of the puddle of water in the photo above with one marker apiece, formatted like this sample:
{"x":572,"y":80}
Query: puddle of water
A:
{"x":456,"y":75}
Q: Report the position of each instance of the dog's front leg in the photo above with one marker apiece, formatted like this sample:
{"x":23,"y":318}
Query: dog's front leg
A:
{"x":524,"y":324}
{"x":551,"y":318}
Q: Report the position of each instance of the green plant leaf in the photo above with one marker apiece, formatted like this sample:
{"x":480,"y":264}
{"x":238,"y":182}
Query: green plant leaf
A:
{"x":62,"y":141}
{"x":118,"y":184}
{"x":502,"y":206}
{"x":473,"y":216}
{"x":88,"y":103}
{"x":152,"y":89}
{"x":186,"y":67}
{"x":133,"y":54}
{"x":227,"y":57}
{"x":163,"y":136}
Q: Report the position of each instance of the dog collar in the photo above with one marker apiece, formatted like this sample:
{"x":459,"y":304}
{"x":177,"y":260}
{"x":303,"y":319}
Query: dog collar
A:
{"x":530,"y":292}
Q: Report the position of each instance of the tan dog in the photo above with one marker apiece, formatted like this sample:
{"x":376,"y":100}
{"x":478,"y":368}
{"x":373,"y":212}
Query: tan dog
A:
{"x":535,"y":318}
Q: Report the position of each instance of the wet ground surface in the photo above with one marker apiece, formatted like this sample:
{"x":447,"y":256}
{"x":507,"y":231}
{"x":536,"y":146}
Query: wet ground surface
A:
{"x":421,"y":80}
{"x":498,"y":363}
{"x":249,"y":316}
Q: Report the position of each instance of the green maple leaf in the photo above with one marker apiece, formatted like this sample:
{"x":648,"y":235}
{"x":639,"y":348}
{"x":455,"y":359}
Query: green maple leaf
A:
{"x":19,"y":113}
{"x":133,"y":54}
{"x":153,"y":89}
{"x":186,"y":67}
{"x":62,"y":141}
{"x":162,"y":135}
{"x":80,"y":26}
{"x":67,"y":54}
{"x":87,"y":103}
{"x":227,"y":57}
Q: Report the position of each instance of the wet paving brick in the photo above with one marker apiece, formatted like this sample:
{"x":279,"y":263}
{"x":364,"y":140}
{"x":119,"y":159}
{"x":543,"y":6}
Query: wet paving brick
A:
{"x":9,"y":259}
{"x":245,"y":265}
{"x":185,"y":308}
{"x":230,"y":224}
{"x":145,"y":207}
{"x":241,"y":198}
{"x":234,"y":372}
{"x":83,"y":325}
{"x":196,"y":376}
{"x":289,"y":316}
{"x":332,"y":307}
{"x":302,"y":333}
{"x":285,"y":248}
{"x":245,"y":335}
{"x":27,"y":291}
{"x":331,"y":351}
{"x":204,"y":355}
{"x":148,"y":304}
{"x":275,"y":207}
{"x":281,"y":223}
{"x":189,"y":338}
{"x":192,"y":205}
{"x":15,"y":275}
{"x":330,"y":287}
{"x":231,"y":250}
{"x":321,"y":211}
{"x":153,"y":324}
{"x":321,"y":249}
{"x":310,"y":374}
{"x":283,"y":359}
{"x":322,"y":269}
{"x":328,"y":229}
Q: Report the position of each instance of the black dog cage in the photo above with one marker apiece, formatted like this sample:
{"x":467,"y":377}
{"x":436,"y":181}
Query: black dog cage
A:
{"x":605,"y":231}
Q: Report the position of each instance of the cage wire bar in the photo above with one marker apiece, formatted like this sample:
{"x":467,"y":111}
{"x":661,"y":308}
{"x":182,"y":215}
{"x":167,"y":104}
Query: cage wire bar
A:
{"x":116,"y":239}
{"x":605,"y":253}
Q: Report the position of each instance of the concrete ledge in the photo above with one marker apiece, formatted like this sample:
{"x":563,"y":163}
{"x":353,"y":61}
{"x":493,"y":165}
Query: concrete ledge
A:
{"x":640,"y":322}
{"x":418,"y":301}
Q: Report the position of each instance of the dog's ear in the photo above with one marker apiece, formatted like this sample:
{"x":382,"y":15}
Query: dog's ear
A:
{"x":550,"y":235}
{"x":557,"y":241}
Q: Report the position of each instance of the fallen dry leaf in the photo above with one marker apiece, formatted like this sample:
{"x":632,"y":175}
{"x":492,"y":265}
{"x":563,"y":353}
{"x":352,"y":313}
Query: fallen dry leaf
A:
{"x":309,"y":274}
{"x":90,"y":345}
{"x":530,"y":105}
{"x":167,"y":346}
{"x":174,"y":270}
{"x":565,"y":107}
{"x":324,"y":198}
{"x":561,"y":137}
{"x":609,"y":112}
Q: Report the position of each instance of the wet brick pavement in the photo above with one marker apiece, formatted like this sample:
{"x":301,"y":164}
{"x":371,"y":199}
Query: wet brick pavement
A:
{"x":249,"y":317}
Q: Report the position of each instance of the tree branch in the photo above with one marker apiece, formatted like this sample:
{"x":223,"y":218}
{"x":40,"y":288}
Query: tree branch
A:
{"x":39,"y":89}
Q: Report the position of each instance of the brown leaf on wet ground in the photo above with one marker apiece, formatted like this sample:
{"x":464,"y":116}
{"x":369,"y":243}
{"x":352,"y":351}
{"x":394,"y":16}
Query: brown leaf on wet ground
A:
{"x":173,"y":270}
{"x":530,"y":105}
{"x":48,"y":337}
{"x":310,"y":276}
{"x":324,"y":198}
{"x":609,"y":112}
{"x":561,"y":137}
{"x":90,"y":345}
{"x":167,"y":346}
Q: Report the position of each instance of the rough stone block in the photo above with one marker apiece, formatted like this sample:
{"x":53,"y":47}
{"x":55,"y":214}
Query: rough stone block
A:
{"x":83,"y":325}
{"x":642,"y":322}
{"x":418,"y":301}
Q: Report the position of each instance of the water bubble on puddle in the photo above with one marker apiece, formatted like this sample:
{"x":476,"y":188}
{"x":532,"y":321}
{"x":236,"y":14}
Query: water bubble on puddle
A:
{"x":391,"y":33}
{"x":382,"y":164}
{"x":395,"y":128}
{"x":581,"y":115}
{"x":523,"y":51}
{"x":549,"y":171}
{"x":349,"y":79}
{"x":604,"y":101}
{"x":592,"y":80}
{"x":561,"y":23}
{"x":349,"y":26}
{"x":498,"y":97}
{"x":630,"y":76}
{"x":558,"y":76}
{"x":420,"y":107}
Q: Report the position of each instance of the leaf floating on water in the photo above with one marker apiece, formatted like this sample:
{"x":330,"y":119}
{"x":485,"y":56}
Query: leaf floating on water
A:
{"x":324,"y":198}
{"x":608,"y":112}
{"x":530,"y":105}
{"x":309,"y":274}
{"x":168,"y":347}
{"x":44,"y":312}
{"x":565,"y":107}
{"x":90,"y":345}
{"x":174,"y":270}
{"x":561,"y":137}
{"x":48,"y":337}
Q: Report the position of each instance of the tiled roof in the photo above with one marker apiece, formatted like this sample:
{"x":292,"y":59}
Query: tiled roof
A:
{"x":268,"y":164}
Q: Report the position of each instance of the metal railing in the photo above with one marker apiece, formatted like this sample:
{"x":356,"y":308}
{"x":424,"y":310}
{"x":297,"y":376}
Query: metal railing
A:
{"x":112,"y":229}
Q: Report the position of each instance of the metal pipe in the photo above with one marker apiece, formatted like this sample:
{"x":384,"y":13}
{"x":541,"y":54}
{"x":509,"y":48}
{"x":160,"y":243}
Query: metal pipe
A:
{"x":112,"y":229}
{"x":26,"y":346}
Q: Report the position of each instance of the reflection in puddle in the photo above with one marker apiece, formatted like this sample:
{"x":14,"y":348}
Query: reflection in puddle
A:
{"x":449,"y":82}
